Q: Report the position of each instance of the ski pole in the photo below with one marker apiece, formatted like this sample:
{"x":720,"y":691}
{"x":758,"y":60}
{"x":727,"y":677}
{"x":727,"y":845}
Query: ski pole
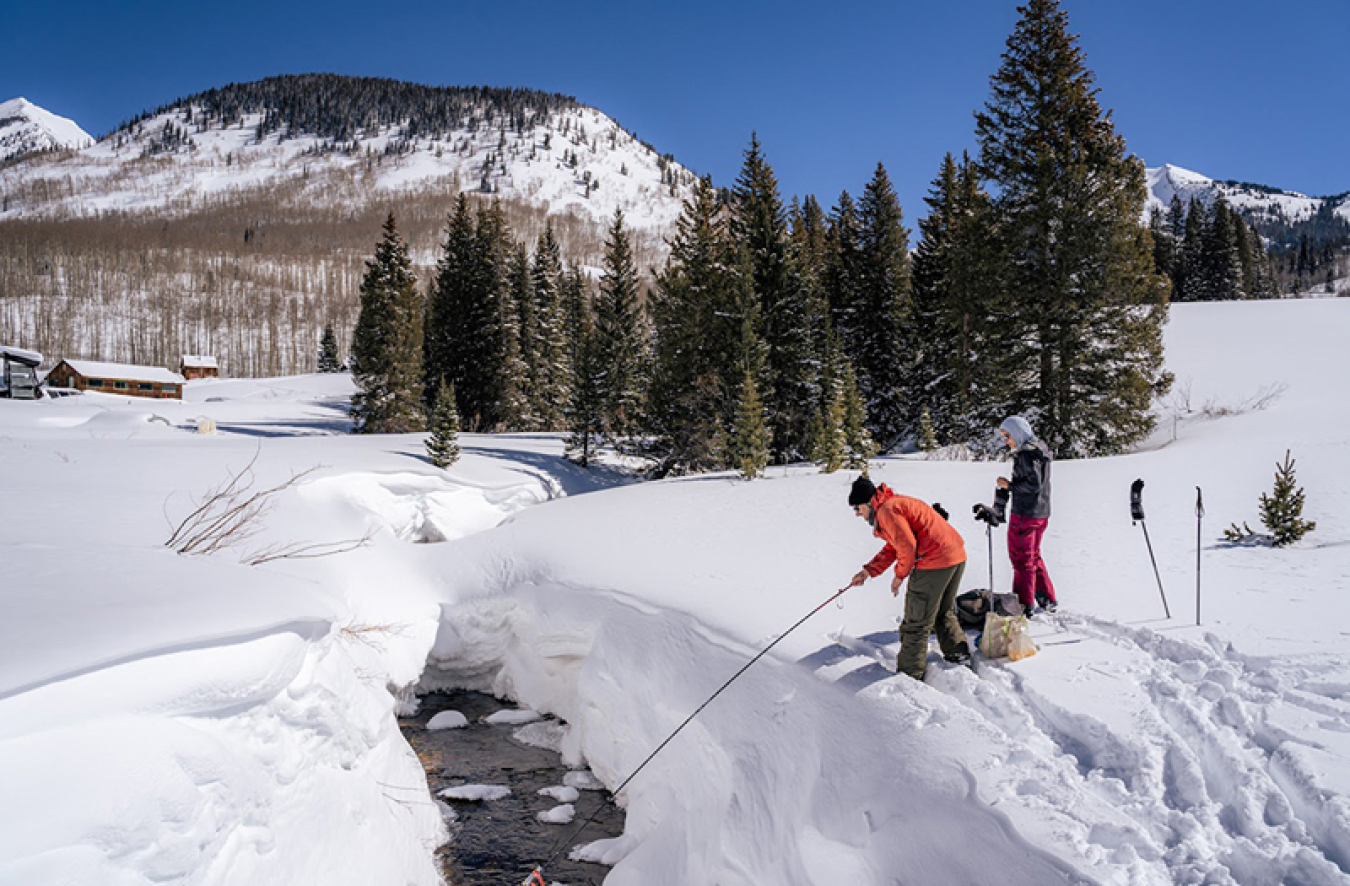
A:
{"x":538,"y":869}
{"x":1137,"y":515}
{"x":989,"y":536}
{"x":1199,"y":516}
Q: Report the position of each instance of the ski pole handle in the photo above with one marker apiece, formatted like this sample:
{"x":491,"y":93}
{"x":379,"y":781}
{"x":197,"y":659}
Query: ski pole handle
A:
{"x":1137,"y":500}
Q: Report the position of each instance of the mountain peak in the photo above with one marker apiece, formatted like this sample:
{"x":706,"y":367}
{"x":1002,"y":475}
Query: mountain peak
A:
{"x":26,"y":127}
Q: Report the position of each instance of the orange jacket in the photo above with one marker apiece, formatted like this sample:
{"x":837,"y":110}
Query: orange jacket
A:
{"x":916,"y":536}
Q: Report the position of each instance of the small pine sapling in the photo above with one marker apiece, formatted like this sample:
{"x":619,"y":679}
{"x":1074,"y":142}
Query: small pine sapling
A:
{"x":928,"y":441}
{"x":443,"y":444}
{"x":328,"y":355}
{"x":748,"y":444}
{"x":1282,"y":511}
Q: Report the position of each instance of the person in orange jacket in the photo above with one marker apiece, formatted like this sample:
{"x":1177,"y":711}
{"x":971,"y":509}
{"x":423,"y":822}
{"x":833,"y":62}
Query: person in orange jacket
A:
{"x":925,"y":548}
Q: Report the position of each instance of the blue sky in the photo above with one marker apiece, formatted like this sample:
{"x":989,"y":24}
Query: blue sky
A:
{"x":1231,"y":89}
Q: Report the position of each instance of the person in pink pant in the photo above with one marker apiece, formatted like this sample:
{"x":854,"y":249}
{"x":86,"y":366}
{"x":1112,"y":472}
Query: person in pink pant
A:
{"x":1030,"y":489}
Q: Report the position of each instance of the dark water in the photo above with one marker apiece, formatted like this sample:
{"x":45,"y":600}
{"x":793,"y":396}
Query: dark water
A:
{"x":498,"y":842}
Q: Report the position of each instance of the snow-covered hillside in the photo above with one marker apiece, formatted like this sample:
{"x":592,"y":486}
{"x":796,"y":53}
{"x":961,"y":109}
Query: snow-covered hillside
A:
{"x":190,"y":719}
{"x":573,"y":160}
{"x":1256,"y":202}
{"x":24,"y":128}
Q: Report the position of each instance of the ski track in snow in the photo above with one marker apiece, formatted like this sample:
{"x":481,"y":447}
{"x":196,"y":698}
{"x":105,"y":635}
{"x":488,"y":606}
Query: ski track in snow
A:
{"x":1204,"y":754}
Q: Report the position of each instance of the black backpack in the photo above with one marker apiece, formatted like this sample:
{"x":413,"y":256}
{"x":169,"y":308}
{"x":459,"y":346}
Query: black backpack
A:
{"x":971,"y":608}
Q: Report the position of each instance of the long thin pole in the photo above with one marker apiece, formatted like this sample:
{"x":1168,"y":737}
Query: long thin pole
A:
{"x":1156,"y":574}
{"x":1199,"y":516}
{"x":989,"y":534}
{"x":836,"y":595}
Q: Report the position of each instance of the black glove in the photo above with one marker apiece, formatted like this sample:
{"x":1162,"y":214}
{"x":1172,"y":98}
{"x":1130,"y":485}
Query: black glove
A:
{"x":985,"y":514}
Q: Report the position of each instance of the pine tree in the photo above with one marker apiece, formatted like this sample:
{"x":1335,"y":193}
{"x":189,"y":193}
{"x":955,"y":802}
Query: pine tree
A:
{"x":960,"y":307}
{"x":703,"y":296}
{"x":1194,"y":270}
{"x":810,"y":240}
{"x":883,"y":354}
{"x":520,"y":286}
{"x":858,"y":440}
{"x":473,"y":333}
{"x":387,"y":343}
{"x":759,"y":226}
{"x":587,"y":412}
{"x":447,"y":300}
{"x":328,"y":351}
{"x":620,"y":335}
{"x":552,"y":350}
{"x":1282,"y":510}
{"x":1088,"y":332}
{"x":1176,"y":226}
{"x":749,"y":442}
{"x":443,"y":444}
{"x":829,"y":446}
{"x":928,"y":441}
{"x":1222,"y":259}
{"x":842,"y":273}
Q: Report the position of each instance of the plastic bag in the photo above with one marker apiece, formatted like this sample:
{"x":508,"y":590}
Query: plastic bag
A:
{"x":994,"y":640}
{"x":1006,"y":637}
{"x":1019,"y":644}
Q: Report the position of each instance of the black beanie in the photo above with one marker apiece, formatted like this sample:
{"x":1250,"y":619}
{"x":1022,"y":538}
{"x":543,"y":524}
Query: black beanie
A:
{"x":862,"y":492}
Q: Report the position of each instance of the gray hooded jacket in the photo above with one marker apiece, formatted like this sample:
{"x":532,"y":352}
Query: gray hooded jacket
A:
{"x":1030,"y":485}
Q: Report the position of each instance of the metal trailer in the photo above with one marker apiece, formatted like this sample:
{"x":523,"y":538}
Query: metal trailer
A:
{"x":19,"y":378}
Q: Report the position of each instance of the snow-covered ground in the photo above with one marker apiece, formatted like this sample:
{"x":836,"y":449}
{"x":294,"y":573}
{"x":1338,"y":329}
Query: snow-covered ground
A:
{"x":181,"y":719}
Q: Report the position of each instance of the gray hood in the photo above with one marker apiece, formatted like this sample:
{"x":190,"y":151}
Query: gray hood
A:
{"x":1018,"y":428}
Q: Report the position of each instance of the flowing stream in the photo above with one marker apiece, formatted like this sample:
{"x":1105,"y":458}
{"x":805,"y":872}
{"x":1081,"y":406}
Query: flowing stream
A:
{"x":496,"y":842}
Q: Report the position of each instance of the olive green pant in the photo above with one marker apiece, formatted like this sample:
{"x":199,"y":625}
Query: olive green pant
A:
{"x":930,"y":604}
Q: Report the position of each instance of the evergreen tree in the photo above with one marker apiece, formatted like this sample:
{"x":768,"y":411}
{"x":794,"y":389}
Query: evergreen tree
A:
{"x":1088,"y":332}
{"x":759,"y":226}
{"x":1222,"y":259}
{"x":500,"y":397}
{"x":858,"y":441}
{"x":473,"y":338}
{"x":520,"y":286}
{"x":810,"y":240}
{"x":587,"y":412}
{"x":387,"y":343}
{"x":620,"y":335}
{"x":828,"y":443}
{"x":443,"y":444}
{"x":552,"y":369}
{"x":702,"y":297}
{"x":1282,"y":510}
{"x":1176,"y":224}
{"x":843,"y":272}
{"x":883,"y":351}
{"x":748,"y":443}
{"x":1164,"y":250}
{"x":928,"y":441}
{"x":1195,"y":282}
{"x":448,"y":299}
{"x":328,"y":351}
{"x":960,"y":308}
{"x":577,"y":309}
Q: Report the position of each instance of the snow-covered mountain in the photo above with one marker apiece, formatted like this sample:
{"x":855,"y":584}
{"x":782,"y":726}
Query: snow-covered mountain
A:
{"x":25,"y":128}
{"x":1258,"y":203}
{"x":322,"y":140}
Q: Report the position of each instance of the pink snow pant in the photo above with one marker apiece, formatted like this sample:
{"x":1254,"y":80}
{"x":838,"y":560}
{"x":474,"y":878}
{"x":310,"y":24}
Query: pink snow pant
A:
{"x":1031,"y":581}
